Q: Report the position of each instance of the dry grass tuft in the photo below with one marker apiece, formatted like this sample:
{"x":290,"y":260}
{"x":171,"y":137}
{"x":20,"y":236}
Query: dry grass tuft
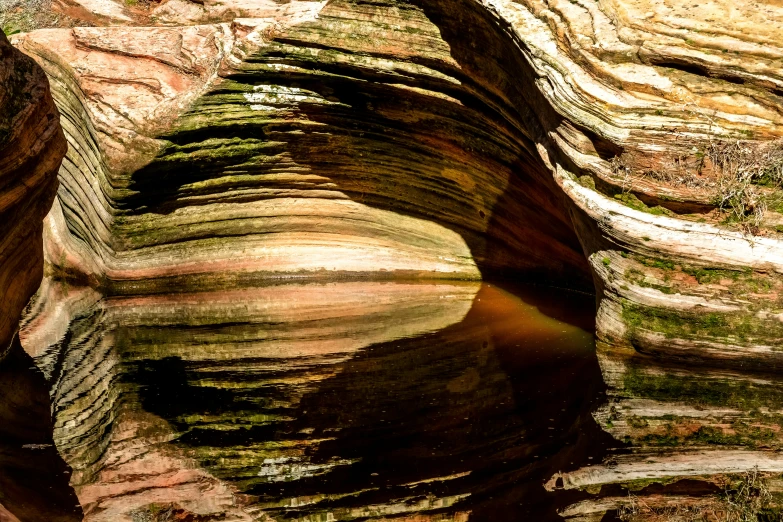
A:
{"x":744,"y":177}
{"x":742,"y":167}
{"x":743,"y":500}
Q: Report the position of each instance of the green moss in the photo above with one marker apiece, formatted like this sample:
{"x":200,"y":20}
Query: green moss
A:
{"x":638,"y":278}
{"x":661,"y":264}
{"x":700,"y":324}
{"x":632,"y":201}
{"x":739,"y":434}
{"x":742,"y":281}
{"x":606,"y":261}
{"x":640,"y":484}
{"x":666,"y":440}
{"x":716,"y":436}
{"x":637,"y":422}
{"x":742,"y":395}
{"x":712,"y":275}
{"x":587,"y":181}
{"x":661,"y":288}
{"x":10,"y":29}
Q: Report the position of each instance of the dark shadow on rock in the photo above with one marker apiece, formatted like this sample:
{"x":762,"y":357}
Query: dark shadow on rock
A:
{"x":462,"y":154}
{"x":34,"y":480}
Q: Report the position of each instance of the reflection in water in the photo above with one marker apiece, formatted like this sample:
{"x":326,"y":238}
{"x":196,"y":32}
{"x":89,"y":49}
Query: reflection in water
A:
{"x":418,"y":402}
{"x":703,"y":443}
{"x":33,"y":477}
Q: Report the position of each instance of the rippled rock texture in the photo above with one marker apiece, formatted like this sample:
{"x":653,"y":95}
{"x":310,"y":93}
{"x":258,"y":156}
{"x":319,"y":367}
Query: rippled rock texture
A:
{"x":31,"y":149}
{"x":336,"y":401}
{"x":260,"y":148}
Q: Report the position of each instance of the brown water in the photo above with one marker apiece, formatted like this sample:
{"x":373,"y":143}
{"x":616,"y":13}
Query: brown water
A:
{"x":310,"y":402}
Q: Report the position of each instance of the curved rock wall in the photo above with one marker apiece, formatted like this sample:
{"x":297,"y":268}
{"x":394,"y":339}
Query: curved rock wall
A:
{"x":34,"y":478}
{"x":375,"y":153}
{"x":31,"y":149}
{"x":574,"y":141}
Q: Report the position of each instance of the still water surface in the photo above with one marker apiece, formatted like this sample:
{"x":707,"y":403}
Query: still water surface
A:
{"x":308,"y":402}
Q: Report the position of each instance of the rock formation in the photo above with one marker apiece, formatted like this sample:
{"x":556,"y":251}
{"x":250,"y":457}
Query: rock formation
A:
{"x":267,"y":158}
{"x":694,"y":436}
{"x":31,"y":149}
{"x":341,"y":139}
{"x":633,"y":148}
{"x":33,"y":477}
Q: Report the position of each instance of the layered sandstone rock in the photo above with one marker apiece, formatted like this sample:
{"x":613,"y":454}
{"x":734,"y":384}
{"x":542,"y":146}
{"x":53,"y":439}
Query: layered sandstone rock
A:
{"x":33,"y":477}
{"x":376,"y":141}
{"x":331,"y":138}
{"x":31,"y":150}
{"x":294,"y":158}
{"x":569,"y":141}
{"x":694,"y":437}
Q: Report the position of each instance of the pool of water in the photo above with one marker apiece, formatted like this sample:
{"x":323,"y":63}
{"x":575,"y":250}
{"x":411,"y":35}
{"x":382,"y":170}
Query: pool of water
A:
{"x":309,"y":402}
{"x":370,"y":401}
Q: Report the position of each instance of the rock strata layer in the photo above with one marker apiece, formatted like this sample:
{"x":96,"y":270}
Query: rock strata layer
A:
{"x":630,"y":147}
{"x":32,"y":146}
{"x":356,"y":139}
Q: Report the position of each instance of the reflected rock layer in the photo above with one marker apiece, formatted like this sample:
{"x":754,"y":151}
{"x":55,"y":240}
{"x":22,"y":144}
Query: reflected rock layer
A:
{"x":317,"y":402}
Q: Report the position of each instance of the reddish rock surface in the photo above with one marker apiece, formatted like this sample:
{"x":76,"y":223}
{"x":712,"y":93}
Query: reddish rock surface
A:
{"x":32,"y":146}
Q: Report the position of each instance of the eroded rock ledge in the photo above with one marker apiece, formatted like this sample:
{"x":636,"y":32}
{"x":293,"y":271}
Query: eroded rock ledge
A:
{"x":285,"y":151}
